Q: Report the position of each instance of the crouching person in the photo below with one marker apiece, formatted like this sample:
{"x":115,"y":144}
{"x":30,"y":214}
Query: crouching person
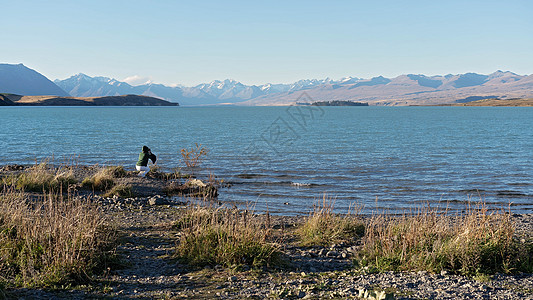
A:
{"x":142,"y":164}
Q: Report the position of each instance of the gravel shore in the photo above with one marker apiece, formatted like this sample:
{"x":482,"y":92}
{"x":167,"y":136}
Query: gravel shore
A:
{"x":148,"y":269}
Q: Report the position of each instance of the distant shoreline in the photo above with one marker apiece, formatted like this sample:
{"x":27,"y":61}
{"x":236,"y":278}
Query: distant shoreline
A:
{"x":140,"y":100}
{"x":494,"y":102}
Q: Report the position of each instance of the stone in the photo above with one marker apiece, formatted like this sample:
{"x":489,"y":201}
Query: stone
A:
{"x":352,"y":249}
{"x":157,"y":200}
{"x":332,"y":253}
{"x":196,"y":183}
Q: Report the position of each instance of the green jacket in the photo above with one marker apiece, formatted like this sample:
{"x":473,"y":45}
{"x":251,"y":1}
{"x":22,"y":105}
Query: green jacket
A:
{"x":143,"y":158}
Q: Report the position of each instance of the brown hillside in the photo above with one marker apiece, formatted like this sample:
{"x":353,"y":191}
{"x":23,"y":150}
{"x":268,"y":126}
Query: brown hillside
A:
{"x":497,"y":102}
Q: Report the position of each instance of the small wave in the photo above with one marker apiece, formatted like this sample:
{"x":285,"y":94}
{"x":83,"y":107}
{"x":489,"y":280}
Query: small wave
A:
{"x":510,"y":194}
{"x":520,"y":183}
{"x":249,"y":176}
{"x":471,"y":191}
{"x":301,"y":184}
{"x":278,"y":183}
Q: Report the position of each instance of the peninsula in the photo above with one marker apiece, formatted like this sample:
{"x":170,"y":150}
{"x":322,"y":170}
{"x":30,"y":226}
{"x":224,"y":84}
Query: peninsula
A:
{"x":339,"y":103}
{"x":125,"y":100}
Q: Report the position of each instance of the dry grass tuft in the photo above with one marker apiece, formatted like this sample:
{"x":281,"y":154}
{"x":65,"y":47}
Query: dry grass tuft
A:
{"x":51,"y":241}
{"x":42,"y":177}
{"x":104,"y":179}
{"x":477,"y":242}
{"x":323,"y":228}
{"x":121,"y":190}
{"x":224,"y":237}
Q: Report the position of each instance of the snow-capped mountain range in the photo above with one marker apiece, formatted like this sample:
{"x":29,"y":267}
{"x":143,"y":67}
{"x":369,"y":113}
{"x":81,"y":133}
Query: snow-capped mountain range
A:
{"x":215,"y":92}
{"x":408,"y":89}
{"x":411,"y":89}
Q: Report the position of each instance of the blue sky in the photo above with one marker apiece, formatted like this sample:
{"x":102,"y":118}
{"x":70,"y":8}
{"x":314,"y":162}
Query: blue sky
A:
{"x":256,"y":42}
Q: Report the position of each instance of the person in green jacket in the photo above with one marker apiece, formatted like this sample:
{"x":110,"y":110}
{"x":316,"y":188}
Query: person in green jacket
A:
{"x":142,"y":163}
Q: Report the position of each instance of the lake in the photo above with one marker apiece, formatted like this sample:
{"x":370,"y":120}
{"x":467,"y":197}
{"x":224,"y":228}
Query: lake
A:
{"x":288,"y":158}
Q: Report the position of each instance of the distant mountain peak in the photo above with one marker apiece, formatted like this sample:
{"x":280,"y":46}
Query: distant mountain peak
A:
{"x":348,"y":79}
{"x":21,"y":80}
{"x":501,"y":73}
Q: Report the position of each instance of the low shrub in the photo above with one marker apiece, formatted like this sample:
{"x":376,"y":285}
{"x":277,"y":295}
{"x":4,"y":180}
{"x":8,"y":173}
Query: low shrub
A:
{"x":224,"y":237}
{"x":193,"y":157}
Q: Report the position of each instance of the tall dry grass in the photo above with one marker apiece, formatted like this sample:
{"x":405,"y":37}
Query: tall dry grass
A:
{"x":49,"y":241}
{"x":42,"y":177}
{"x":323,"y":227}
{"x":104,"y":179}
{"x":224,"y":237}
{"x":477,"y":242}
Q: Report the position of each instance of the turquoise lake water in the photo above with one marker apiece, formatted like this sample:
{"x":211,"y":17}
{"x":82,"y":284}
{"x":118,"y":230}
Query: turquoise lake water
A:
{"x":287,"y":158}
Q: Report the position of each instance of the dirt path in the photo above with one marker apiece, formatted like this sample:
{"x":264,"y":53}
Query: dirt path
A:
{"x":149,"y":270}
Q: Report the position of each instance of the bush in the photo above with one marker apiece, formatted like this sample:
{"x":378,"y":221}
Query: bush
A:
{"x":224,"y":237}
{"x":194,"y":156}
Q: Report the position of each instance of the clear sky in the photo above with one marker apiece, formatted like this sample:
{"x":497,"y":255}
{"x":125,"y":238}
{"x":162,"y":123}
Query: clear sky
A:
{"x":256,"y":42}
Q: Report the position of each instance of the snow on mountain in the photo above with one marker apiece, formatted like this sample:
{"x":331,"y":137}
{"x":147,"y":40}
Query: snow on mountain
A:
{"x":81,"y":85}
{"x":412,"y":89}
{"x":402,"y":90}
{"x":270,"y":88}
{"x":348,"y":80}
